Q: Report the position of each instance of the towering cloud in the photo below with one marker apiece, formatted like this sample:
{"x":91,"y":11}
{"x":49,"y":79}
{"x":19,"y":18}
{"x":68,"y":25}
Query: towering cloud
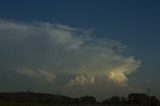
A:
{"x":119,"y":74}
{"x":45,"y":51}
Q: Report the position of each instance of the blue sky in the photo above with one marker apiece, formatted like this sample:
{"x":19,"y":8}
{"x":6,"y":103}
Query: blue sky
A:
{"x":132,"y":23}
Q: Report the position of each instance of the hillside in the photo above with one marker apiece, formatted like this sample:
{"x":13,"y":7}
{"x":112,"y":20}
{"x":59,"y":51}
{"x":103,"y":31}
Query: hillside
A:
{"x":32,"y":97}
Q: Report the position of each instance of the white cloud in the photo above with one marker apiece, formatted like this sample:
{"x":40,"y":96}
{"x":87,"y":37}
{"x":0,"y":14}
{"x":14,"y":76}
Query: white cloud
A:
{"x":119,"y":74}
{"x":55,"y":49}
{"x":82,"y":80}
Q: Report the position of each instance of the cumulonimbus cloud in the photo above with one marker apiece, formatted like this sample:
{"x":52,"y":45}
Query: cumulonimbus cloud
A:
{"x":60,"y":49}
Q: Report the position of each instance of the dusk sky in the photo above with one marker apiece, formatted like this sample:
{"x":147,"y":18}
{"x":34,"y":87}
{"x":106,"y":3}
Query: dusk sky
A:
{"x":80,"y":47}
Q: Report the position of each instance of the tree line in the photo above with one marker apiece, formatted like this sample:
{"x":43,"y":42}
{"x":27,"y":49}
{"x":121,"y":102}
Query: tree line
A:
{"x":139,"y":99}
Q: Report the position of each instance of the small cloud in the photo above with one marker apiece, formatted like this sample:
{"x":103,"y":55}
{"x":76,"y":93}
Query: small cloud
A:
{"x":82,"y":80}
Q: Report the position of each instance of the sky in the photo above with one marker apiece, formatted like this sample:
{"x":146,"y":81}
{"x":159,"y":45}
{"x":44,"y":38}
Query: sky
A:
{"x":83,"y":47}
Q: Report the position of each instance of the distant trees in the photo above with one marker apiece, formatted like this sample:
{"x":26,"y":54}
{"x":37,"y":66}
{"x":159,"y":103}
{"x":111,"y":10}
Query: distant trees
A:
{"x":136,"y":99}
{"x":139,"y":99}
{"x":154,"y":101}
{"x":86,"y":100}
{"x":142,"y":100}
{"x":124,"y":100}
{"x":115,"y":100}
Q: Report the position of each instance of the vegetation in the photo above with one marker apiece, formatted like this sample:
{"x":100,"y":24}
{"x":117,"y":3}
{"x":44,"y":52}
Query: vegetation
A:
{"x":44,"y":99}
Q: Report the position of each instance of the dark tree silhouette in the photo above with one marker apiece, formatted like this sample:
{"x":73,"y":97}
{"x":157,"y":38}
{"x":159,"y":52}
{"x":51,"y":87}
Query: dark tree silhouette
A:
{"x":138,"y":98}
{"x":106,"y":101}
{"x":123,"y":100}
{"x":154,"y":101}
{"x":88,"y":100}
{"x":114,"y":100}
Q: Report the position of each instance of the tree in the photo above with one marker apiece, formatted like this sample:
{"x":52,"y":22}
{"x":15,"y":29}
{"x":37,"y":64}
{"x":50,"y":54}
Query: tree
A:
{"x":88,"y":100}
{"x":123,"y":100}
{"x":106,"y":101}
{"x":138,"y":98}
{"x":154,"y":101}
{"x":114,"y":100}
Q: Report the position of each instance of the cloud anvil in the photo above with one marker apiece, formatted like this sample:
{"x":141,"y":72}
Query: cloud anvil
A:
{"x":45,"y":51}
